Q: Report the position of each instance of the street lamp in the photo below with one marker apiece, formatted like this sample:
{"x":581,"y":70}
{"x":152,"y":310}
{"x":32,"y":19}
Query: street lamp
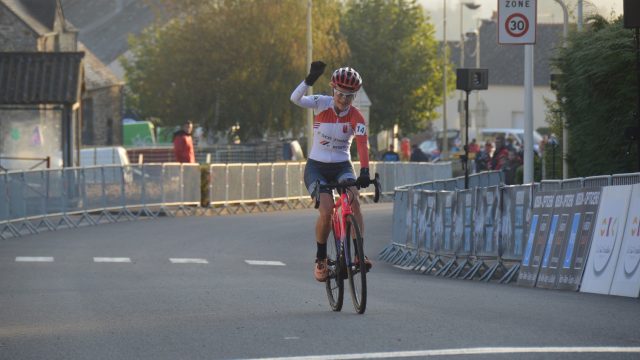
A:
{"x":471,"y":6}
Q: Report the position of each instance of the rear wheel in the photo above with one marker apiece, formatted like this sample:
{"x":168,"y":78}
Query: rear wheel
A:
{"x":356,"y":268}
{"x":335,"y":281}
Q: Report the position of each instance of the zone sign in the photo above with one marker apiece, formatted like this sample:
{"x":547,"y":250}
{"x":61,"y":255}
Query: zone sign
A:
{"x":517,"y":21}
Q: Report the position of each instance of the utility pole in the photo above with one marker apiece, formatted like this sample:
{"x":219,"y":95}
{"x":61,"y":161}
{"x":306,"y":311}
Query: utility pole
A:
{"x":445,"y":139}
{"x":309,"y":127}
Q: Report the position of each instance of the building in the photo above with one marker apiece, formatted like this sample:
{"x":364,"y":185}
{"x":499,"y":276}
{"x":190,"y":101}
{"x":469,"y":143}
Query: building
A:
{"x":105,"y":26}
{"x":41,"y":26}
{"x":502,"y":105}
{"x":102,"y":104}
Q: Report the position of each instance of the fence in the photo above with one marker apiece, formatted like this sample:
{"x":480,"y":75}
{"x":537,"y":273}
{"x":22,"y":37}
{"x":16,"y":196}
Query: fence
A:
{"x":258,"y":187}
{"x":441,"y":229}
{"x":38,"y":200}
{"x":32,"y":201}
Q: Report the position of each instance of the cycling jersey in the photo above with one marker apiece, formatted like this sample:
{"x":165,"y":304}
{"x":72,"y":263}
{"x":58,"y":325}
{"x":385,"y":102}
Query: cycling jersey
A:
{"x":332,"y":132}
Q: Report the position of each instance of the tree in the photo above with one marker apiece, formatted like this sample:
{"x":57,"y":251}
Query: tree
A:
{"x":598,"y":92}
{"x":222,"y":62}
{"x":395,"y":50}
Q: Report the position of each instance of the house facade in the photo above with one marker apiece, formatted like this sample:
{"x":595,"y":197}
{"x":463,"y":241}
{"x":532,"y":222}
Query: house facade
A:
{"x":502,"y":105}
{"x":41,"y":26}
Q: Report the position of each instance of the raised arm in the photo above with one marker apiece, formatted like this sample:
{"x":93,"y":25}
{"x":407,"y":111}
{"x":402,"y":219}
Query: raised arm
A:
{"x":297,"y":97}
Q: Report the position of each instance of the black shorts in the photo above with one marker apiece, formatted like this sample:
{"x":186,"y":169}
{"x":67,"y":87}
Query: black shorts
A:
{"x":326,"y":173}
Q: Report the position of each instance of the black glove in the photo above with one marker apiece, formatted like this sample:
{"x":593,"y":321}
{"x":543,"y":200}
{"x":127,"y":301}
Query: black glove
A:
{"x":317,"y":68}
{"x":364,"y":179}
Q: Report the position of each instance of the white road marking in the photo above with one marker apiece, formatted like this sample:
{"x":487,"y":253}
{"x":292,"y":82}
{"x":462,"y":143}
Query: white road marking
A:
{"x":291,"y":338}
{"x":111,"y":259}
{"x":188,"y":261}
{"x":463,"y":351}
{"x":265,"y":263}
{"x":34,"y":259}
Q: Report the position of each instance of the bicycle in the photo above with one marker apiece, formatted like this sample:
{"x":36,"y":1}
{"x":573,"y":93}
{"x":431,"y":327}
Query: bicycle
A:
{"x":343,"y":261}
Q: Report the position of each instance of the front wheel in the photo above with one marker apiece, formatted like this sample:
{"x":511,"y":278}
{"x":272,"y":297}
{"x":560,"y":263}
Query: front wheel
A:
{"x":335,"y":281}
{"x":356,"y":267}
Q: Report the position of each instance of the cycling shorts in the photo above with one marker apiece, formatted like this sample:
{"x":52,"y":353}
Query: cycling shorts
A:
{"x":326,"y":173}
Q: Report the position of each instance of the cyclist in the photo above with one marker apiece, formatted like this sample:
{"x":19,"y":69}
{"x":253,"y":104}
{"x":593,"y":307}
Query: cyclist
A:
{"x":335,"y":125}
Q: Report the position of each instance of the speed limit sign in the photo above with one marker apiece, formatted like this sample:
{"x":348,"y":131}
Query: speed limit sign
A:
{"x":517,"y":21}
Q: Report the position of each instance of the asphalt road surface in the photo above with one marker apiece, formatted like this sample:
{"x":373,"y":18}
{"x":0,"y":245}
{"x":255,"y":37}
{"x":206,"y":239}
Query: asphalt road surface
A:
{"x":240,"y":287}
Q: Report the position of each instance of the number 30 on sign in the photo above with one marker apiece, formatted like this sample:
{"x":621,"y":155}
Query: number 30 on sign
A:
{"x":517,"y":21}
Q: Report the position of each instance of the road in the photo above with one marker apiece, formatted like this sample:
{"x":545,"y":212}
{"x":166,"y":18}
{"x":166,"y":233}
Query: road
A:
{"x":181,"y":288}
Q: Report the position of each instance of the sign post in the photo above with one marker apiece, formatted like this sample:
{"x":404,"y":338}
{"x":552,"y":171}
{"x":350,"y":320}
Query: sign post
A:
{"x":517,"y":22}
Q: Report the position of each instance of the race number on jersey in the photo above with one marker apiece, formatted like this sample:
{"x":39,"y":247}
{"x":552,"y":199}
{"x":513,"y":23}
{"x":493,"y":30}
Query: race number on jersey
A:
{"x":361,"y":129}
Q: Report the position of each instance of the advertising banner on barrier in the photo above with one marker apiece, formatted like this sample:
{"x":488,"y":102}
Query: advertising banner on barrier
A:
{"x":408,"y":219}
{"x":399,"y":230}
{"x":487,"y":219}
{"x":444,"y":221}
{"x":580,"y":233}
{"x":541,"y":226}
{"x":426,"y":214}
{"x":605,"y":247}
{"x":464,"y":222}
{"x":413,"y":219}
{"x":516,"y":209}
{"x":626,"y":281}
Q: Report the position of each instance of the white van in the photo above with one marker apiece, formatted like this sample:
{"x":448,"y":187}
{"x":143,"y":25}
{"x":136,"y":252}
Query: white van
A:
{"x":107,"y":155}
{"x":517,"y":135}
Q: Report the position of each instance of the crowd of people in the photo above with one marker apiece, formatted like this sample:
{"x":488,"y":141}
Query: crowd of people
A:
{"x":505,"y":156}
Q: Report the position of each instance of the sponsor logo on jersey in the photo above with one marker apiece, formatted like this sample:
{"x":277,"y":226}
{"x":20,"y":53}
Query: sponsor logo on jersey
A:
{"x":324,"y":142}
{"x":345,"y":128}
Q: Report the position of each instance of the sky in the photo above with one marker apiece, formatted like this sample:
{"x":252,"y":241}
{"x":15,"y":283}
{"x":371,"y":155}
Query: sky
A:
{"x":549,"y":11}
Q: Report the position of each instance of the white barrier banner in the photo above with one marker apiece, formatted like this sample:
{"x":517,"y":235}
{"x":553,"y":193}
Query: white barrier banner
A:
{"x":626,"y":281}
{"x":607,"y":238}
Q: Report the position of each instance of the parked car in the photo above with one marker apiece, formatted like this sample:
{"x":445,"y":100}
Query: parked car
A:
{"x":430,"y":148}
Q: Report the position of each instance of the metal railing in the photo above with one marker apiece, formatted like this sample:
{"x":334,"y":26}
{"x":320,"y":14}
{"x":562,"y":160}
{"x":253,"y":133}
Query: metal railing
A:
{"x":35,"y":200}
{"x":434,"y":223}
{"x":237,"y":185}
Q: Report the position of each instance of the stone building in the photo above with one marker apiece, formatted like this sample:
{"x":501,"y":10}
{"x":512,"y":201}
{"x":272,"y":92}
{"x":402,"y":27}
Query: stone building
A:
{"x":102,"y":104}
{"x":40,"y":26}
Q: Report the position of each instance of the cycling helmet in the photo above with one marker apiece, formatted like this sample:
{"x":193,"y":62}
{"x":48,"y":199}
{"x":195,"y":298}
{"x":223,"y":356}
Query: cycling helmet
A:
{"x":346,"y":78}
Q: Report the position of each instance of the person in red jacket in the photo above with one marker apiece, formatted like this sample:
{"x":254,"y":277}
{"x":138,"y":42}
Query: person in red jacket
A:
{"x":183,"y":144}
{"x":501,"y":153}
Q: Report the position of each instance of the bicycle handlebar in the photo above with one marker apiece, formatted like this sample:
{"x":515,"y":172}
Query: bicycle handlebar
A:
{"x":345,"y":185}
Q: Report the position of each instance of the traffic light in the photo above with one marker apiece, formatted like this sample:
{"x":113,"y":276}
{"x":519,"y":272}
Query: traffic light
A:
{"x":472,"y":79}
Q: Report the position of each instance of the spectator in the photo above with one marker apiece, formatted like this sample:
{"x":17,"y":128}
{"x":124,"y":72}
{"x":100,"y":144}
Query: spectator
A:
{"x":417,"y":155}
{"x":183,"y":144}
{"x":405,"y":149}
{"x":484,"y":157}
{"x":510,"y":166}
{"x":474,"y":148}
{"x":390,"y":155}
{"x":500,"y":154}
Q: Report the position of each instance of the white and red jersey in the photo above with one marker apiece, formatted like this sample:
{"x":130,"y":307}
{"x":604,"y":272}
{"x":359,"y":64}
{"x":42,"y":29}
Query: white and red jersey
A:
{"x":333,"y":132}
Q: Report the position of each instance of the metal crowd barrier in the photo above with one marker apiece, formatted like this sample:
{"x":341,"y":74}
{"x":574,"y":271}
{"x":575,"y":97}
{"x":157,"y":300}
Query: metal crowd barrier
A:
{"x":37,"y":200}
{"x":441,"y":229}
{"x":273,"y":186}
{"x":33,"y":201}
